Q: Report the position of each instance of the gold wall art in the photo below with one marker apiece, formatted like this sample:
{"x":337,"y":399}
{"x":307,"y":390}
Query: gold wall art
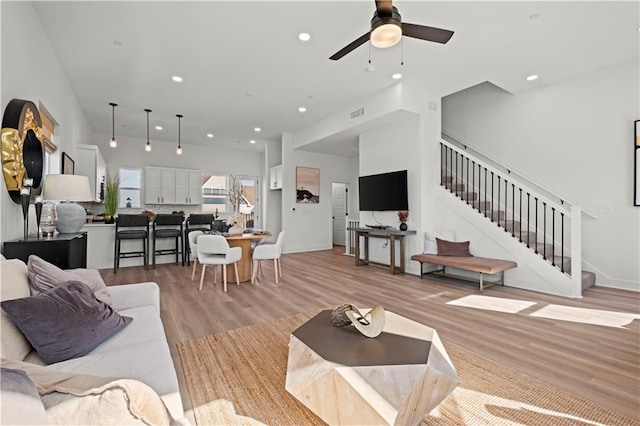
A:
{"x":22,"y":150}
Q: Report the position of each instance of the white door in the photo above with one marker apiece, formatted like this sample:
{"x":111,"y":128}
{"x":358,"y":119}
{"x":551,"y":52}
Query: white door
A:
{"x":339,"y":212}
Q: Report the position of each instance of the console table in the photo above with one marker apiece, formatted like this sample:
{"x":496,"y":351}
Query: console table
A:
{"x":66,"y":251}
{"x":392,"y":235}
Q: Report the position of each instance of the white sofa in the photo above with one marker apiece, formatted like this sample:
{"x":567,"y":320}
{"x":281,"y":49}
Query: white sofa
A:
{"x":139,"y":351}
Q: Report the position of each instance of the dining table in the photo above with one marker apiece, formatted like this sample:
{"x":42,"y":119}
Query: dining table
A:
{"x":244,"y":241}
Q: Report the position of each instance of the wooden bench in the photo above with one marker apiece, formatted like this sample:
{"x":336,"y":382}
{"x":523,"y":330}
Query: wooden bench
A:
{"x":482,"y":265}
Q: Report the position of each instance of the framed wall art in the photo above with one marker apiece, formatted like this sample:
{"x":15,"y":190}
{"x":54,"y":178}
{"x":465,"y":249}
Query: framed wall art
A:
{"x":307,"y":185}
{"x":68,"y":165}
{"x":636,"y":163}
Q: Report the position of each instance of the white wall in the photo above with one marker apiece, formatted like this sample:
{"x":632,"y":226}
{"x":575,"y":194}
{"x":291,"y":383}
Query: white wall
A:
{"x":309,"y":226}
{"x":31,"y":71}
{"x":573,"y":137}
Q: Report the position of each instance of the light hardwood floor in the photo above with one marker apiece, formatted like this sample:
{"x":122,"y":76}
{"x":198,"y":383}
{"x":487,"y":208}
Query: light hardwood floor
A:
{"x":599,"y":363}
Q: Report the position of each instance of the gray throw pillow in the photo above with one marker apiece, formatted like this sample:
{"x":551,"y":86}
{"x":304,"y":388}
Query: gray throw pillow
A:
{"x":44,"y":276}
{"x":64,"y":322}
{"x":449,"y":248}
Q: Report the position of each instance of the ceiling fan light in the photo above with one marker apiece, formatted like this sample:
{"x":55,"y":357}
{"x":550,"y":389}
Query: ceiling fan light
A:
{"x":386,"y":35}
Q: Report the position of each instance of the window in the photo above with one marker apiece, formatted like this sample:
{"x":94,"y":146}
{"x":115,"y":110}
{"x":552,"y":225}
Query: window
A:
{"x":214,"y":194}
{"x":130,"y":185}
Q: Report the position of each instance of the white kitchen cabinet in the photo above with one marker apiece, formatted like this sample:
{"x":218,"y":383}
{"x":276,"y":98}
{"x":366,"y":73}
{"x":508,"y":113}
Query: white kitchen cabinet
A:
{"x":275,"y":177}
{"x":195,"y":187}
{"x":152,"y":185}
{"x":172,"y":186}
{"x":89,"y":162}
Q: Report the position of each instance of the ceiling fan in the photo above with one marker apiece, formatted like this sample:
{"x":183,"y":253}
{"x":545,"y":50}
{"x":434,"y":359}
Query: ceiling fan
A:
{"x":387,"y":28}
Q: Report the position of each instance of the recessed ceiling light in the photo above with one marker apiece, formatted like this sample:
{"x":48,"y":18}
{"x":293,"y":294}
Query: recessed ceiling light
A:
{"x":252,"y":141}
{"x":176,"y":78}
{"x":302,"y":109}
{"x":209,"y":135}
{"x":158,"y":127}
{"x":304,"y":36}
{"x":396,"y":76}
{"x":532,"y":77}
{"x":257,"y":129}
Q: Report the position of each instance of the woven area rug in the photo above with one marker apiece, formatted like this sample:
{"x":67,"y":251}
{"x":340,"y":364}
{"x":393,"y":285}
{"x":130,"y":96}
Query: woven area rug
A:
{"x":247,"y":367}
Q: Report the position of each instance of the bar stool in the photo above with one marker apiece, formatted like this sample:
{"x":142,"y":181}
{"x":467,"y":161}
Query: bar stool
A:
{"x":131,"y":221}
{"x":165,"y":226}
{"x":196,"y":222}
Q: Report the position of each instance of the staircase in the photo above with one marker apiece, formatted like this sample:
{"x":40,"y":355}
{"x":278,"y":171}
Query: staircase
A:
{"x":536,"y":221}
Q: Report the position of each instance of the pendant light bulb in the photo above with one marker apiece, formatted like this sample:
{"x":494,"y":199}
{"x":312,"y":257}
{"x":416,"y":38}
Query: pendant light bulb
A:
{"x":179,"y":149}
{"x":147,"y":147}
{"x":113,"y":142}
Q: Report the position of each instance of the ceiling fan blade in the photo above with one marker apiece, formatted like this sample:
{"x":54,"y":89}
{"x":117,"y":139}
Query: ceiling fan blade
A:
{"x":422,"y":32}
{"x":351,"y":46}
{"x":384,"y":8}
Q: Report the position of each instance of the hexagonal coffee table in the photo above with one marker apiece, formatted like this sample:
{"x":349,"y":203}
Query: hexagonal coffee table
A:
{"x":344,"y":377}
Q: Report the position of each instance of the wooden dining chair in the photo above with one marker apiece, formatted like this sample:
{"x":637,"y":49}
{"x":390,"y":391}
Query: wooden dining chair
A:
{"x":215,"y":250}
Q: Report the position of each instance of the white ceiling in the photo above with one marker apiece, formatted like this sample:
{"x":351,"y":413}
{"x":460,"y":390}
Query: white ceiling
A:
{"x":243,"y":65}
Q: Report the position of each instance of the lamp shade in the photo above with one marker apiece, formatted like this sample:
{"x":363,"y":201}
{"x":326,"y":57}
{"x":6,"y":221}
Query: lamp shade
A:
{"x":68,"y":188}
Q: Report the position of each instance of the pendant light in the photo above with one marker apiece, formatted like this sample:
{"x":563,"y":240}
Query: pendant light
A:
{"x":179,"y":149}
{"x":147,"y":147}
{"x":113,"y":143}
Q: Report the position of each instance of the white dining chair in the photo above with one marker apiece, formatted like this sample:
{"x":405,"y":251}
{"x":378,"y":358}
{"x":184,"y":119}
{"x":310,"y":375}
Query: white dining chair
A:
{"x":268,"y":252}
{"x":193,"y":249}
{"x":215,"y":250}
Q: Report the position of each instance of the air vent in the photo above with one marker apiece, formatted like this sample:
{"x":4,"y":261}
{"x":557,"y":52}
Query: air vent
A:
{"x":357,"y":113}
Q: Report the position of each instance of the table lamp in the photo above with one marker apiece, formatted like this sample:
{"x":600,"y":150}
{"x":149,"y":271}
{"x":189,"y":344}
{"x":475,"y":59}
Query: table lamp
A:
{"x":67,"y":189}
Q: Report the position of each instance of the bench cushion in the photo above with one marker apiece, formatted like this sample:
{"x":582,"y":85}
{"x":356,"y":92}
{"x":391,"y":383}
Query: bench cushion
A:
{"x":476,"y":264}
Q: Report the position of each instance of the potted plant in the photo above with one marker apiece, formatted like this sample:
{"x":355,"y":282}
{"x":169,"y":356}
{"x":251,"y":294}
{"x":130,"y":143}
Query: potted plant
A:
{"x":111,"y":198}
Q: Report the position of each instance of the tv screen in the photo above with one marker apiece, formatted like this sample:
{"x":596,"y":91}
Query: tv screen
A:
{"x":385,"y":191}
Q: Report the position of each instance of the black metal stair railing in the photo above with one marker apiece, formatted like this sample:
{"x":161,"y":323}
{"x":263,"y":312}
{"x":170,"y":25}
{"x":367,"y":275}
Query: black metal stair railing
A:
{"x":500,"y":198}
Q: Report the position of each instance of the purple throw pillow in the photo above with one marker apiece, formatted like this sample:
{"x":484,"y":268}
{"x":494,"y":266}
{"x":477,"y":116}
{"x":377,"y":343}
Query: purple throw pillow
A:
{"x":64,"y":322}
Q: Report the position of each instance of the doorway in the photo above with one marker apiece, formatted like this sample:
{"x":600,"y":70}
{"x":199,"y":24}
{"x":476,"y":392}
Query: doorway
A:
{"x":340,"y":212}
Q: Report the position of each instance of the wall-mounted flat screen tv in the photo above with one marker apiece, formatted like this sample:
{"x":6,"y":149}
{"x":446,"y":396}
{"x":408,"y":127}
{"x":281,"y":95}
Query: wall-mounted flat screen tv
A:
{"x":385,"y":191}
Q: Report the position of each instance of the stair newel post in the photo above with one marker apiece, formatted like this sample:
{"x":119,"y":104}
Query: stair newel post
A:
{"x":576,"y":250}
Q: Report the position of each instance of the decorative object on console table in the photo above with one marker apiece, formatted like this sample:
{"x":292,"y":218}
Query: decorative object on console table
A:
{"x":636,"y":168}
{"x":25,"y":194}
{"x":38,"y":208}
{"x":307,"y":185}
{"x":67,"y":189}
{"x":111,"y":198}
{"x":49,"y":220}
{"x":403,"y":215}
